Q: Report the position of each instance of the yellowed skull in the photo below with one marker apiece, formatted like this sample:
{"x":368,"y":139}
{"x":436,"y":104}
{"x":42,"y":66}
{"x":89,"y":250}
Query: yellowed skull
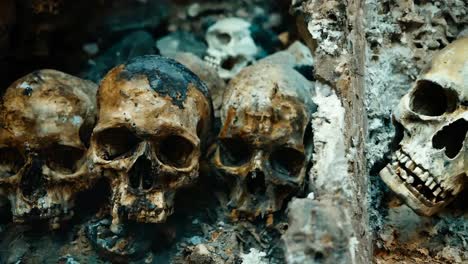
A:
{"x":263,"y":147}
{"x":46,"y":120}
{"x":430,"y":167}
{"x":153,"y":122}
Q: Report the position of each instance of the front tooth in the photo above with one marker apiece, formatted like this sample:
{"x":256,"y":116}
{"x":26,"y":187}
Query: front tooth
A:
{"x":429,"y":181}
{"x":436,"y":192}
{"x":432,"y":185}
{"x":443,"y":195}
{"x":418,"y":171}
{"x":404,"y":159}
{"x":403,"y":174}
{"x":424,"y":176}
{"x":410,"y":180}
{"x":410,"y":165}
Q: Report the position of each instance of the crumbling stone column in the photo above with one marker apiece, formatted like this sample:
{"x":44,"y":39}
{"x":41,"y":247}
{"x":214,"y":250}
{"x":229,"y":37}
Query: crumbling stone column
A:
{"x":331,"y":225}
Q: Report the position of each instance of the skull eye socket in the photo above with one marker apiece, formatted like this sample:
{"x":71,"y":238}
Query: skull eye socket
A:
{"x":62,"y":158}
{"x":234,"y":151}
{"x":431,"y":99}
{"x":288,"y":161}
{"x":223,"y":38}
{"x":175,"y":151}
{"x":11,"y":161}
{"x":116,"y":143}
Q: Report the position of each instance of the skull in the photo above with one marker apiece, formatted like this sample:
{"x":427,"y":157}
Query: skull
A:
{"x":230,"y":46}
{"x":264,"y":143}
{"x":430,"y":167}
{"x":153,"y":122}
{"x":46,"y":120}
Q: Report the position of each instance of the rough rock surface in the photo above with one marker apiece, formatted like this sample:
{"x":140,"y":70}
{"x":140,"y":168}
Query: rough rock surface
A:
{"x":401,"y":38}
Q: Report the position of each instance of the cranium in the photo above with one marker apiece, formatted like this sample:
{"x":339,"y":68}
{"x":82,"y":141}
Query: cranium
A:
{"x":430,"y":168}
{"x":46,"y":120}
{"x":230,"y":46}
{"x":153,"y":121}
{"x":263,"y":146}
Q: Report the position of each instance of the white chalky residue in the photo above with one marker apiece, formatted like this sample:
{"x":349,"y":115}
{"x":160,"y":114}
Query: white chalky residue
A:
{"x":330,"y":170}
{"x":25,"y":85}
{"x":254,"y":257}
{"x":76,"y":120}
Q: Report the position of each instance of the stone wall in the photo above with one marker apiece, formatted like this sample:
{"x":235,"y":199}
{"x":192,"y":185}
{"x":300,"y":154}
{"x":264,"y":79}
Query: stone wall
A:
{"x":367,"y":55}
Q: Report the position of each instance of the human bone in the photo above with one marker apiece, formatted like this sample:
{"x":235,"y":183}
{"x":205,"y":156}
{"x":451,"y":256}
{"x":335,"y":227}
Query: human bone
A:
{"x":207,"y":74}
{"x":263,"y":145}
{"x":46,"y":120}
{"x":430,"y":167}
{"x":230,"y":46}
{"x":153,"y":120}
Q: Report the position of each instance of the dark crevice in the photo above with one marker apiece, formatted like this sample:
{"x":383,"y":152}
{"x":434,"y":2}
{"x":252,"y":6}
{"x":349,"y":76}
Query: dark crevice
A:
{"x":32,"y":181}
{"x":141,"y":175}
{"x":256,"y":183}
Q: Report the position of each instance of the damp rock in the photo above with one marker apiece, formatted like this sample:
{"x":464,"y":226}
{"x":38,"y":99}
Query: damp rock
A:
{"x":181,"y":41}
{"x":127,"y":16}
{"x":312,"y":237}
{"x":68,"y":259}
{"x":134,"y":44}
{"x":297,"y":56}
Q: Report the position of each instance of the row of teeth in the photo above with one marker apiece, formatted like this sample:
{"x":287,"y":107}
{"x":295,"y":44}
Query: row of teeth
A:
{"x":423,"y":175}
{"x":212,"y":61}
{"x":47,"y":213}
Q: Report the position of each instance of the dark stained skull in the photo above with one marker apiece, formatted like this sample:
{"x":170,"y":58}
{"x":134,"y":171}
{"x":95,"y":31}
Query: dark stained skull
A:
{"x":153,"y":122}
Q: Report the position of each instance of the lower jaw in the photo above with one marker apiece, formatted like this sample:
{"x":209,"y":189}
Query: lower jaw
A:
{"x":414,"y":200}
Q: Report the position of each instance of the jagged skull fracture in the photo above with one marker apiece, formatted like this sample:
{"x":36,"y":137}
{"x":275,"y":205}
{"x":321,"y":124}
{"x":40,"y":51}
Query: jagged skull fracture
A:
{"x":46,"y":120}
{"x":430,"y":167}
{"x":153,"y":121}
{"x":265,"y":140}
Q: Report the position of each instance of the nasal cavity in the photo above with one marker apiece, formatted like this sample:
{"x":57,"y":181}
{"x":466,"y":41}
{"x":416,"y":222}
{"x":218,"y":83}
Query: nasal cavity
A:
{"x":256,"y":182}
{"x":32,"y":182}
{"x":141,"y":174}
{"x":451,"y":138}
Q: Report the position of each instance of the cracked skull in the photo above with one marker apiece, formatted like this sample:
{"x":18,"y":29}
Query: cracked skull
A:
{"x":430,"y":167}
{"x":154,"y":118}
{"x":264,"y":143}
{"x":46,"y":120}
{"x":230,"y":46}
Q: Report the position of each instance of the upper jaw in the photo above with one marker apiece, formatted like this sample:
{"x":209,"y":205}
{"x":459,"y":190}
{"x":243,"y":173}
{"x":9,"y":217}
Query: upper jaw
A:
{"x":55,"y":213}
{"x":415,"y":185}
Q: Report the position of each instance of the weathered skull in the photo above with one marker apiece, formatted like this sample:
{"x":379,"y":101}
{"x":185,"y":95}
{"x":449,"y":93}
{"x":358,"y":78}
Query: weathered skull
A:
{"x":230,"y":46}
{"x":46,"y":120}
{"x":154,"y":118}
{"x":263,"y":145}
{"x":430,"y":168}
